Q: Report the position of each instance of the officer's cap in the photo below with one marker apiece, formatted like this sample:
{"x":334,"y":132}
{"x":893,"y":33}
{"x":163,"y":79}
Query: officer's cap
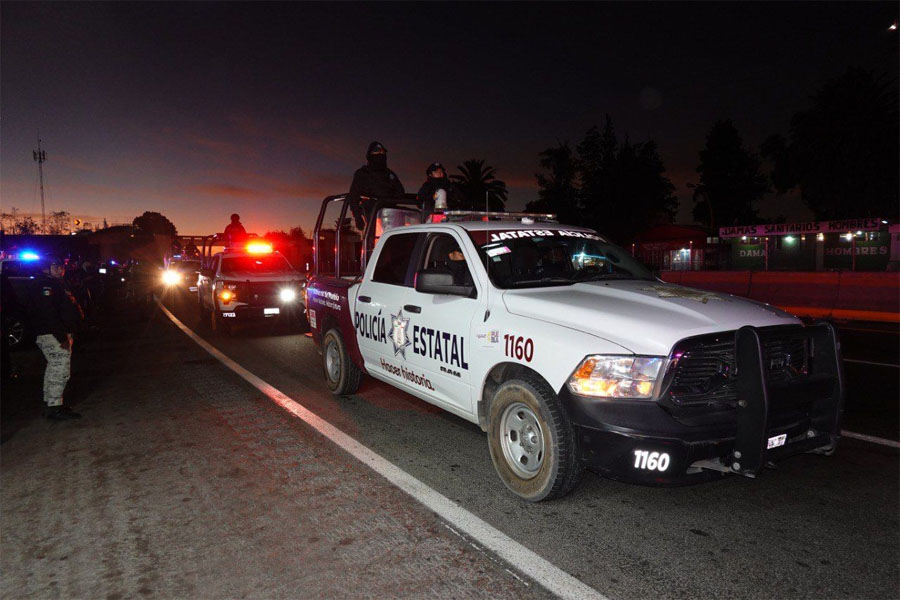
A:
{"x":376,"y":148}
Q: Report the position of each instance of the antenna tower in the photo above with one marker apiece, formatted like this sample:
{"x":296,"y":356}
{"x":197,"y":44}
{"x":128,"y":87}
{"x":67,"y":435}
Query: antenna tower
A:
{"x":40,"y":156}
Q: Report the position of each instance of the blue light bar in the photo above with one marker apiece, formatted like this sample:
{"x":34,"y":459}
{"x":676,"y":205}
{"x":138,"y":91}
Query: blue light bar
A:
{"x":29,"y":255}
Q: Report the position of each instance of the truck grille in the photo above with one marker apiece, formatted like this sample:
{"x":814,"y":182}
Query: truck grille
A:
{"x":260,"y":293}
{"x":703,"y":372}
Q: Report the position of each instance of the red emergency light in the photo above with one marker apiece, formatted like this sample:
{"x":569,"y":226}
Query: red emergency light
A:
{"x":259,"y":248}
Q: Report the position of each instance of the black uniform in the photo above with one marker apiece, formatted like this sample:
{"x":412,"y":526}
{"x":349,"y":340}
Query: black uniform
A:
{"x":235,"y":232}
{"x":426,"y":193}
{"x":51,"y":309}
{"x":373,"y":180}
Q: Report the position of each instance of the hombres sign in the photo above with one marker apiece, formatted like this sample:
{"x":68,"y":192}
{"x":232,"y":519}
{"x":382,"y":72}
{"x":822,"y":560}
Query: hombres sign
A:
{"x":836,"y":226}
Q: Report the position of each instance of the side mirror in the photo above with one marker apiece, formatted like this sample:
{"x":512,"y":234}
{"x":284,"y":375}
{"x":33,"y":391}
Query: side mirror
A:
{"x":437,"y":281}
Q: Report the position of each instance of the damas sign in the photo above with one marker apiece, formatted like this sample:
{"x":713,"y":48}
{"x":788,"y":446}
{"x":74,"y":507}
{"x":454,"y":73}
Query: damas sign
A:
{"x":836,"y":226}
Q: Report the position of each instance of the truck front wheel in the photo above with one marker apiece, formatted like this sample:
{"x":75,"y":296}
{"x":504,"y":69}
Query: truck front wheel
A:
{"x":341,"y":373}
{"x":531,"y":440}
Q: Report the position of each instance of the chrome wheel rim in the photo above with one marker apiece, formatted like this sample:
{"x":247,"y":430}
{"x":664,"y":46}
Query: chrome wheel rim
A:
{"x":522,"y":440}
{"x":332,"y":362}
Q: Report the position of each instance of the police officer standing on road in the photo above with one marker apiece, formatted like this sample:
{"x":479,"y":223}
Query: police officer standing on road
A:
{"x":438,"y":192}
{"x":235,"y":232}
{"x":372,"y":180}
{"x":54,"y":316}
{"x":85,"y":284}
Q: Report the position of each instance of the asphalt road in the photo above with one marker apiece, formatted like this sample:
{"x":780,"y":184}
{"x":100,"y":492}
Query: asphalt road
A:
{"x":183,"y":481}
{"x":814,"y":527}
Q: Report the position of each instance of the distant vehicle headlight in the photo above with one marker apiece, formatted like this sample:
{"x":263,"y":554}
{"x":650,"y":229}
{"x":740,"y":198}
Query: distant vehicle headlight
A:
{"x":287,"y":295}
{"x":616,"y":376}
{"x":171,"y":277}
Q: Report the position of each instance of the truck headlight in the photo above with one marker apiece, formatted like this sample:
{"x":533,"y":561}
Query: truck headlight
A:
{"x":616,"y":376}
{"x":287,"y":295}
{"x":171,"y":277}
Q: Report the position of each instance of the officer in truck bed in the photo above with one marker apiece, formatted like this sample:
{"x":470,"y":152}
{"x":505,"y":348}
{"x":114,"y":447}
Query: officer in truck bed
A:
{"x":372,"y":180}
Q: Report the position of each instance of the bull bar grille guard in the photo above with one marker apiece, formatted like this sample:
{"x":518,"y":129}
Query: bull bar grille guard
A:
{"x":755,"y":391}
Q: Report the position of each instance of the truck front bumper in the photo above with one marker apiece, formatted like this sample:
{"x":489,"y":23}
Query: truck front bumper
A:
{"x":244,"y":312}
{"x":642,"y":442}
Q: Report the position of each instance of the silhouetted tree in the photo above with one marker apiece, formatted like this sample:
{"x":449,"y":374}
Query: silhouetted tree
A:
{"x":8,"y":219}
{"x":295,"y":233}
{"x":475,"y":181}
{"x":58,"y":222}
{"x":154,"y":222}
{"x":843,"y":152}
{"x":730,"y":176}
{"x":619,"y":189}
{"x":25,"y":225}
{"x":596,"y":165}
{"x":644,"y":187}
{"x":558,"y":189}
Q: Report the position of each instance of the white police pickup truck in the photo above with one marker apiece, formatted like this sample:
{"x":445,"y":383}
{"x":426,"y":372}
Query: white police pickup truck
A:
{"x":250,"y":283}
{"x":568,"y":352}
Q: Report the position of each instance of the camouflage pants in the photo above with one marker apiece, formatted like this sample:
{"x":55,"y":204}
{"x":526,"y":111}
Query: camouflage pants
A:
{"x":58,"y":369}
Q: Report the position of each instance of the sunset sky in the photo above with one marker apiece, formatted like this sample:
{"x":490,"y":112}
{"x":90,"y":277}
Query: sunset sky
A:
{"x":200,"y":110}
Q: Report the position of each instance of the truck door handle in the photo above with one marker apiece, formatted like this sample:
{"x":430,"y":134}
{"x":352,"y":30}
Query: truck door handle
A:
{"x":412,"y":308}
{"x":365,"y":299}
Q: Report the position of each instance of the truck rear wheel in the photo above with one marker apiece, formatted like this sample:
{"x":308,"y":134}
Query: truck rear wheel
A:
{"x":341,"y":373}
{"x":531,"y":440}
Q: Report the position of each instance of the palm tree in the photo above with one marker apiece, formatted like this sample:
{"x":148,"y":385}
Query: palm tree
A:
{"x":476,"y":181}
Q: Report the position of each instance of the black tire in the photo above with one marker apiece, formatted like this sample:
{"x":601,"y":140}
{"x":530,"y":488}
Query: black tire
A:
{"x":341,"y":373}
{"x":532,"y":441}
{"x":204,"y":315}
{"x":219,"y":325}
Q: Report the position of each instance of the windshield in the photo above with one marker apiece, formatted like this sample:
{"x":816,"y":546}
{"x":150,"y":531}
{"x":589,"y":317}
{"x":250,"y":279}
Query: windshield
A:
{"x":536,"y":258}
{"x":187,"y":265}
{"x":271,"y":263}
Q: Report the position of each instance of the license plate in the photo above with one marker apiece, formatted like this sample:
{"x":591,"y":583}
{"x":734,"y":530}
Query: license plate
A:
{"x":271,"y":311}
{"x":776,"y":441}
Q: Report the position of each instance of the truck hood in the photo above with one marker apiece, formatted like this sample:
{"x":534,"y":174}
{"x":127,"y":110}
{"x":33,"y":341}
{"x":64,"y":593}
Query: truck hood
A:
{"x":647,"y":317}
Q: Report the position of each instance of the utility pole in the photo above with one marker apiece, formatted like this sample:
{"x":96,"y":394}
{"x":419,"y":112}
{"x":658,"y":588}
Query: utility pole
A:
{"x":40,"y":156}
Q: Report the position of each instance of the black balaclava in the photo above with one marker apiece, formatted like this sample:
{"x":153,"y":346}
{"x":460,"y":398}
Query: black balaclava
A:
{"x":376,"y":161}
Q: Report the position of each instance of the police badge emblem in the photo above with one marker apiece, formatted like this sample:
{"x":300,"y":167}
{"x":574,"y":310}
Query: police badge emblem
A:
{"x":398,"y":335}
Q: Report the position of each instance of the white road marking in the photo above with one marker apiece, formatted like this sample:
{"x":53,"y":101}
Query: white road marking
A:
{"x":537,"y":568}
{"x":870,"y":438}
{"x":866,"y":362}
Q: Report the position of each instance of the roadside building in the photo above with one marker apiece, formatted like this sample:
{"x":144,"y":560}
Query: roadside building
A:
{"x":840,"y":244}
{"x":678,"y":248}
